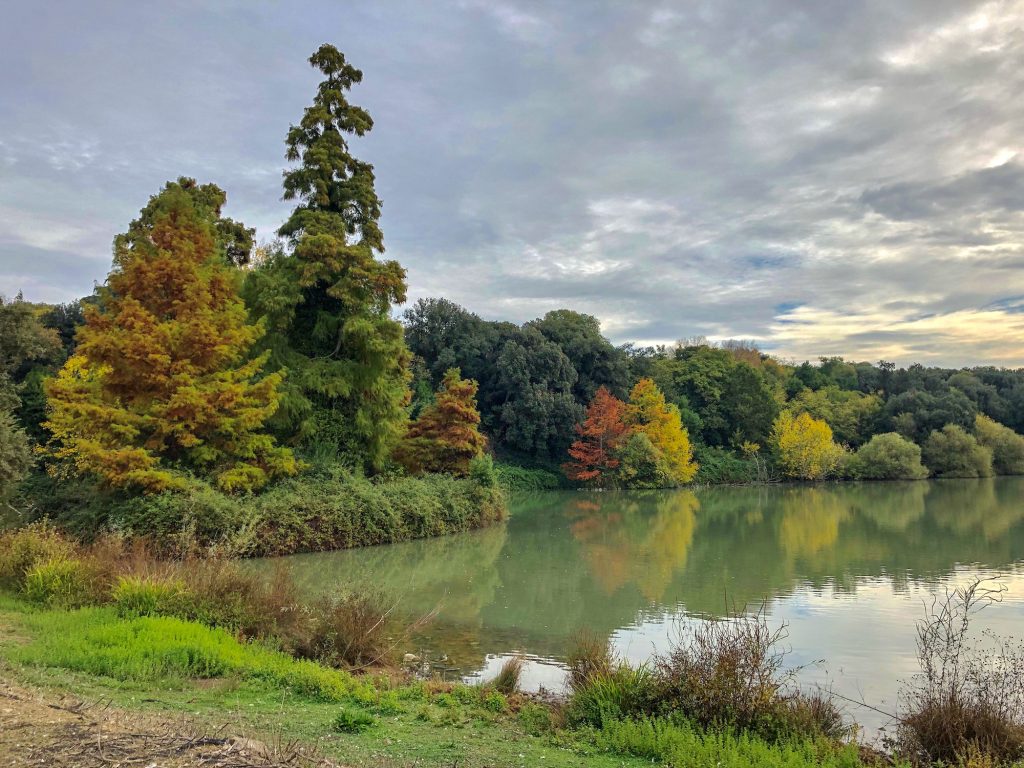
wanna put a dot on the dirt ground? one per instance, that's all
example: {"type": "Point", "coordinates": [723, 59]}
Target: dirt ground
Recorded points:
{"type": "Point", "coordinates": [43, 730]}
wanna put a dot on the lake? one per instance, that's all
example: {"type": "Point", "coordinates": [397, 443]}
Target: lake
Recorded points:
{"type": "Point", "coordinates": [848, 568]}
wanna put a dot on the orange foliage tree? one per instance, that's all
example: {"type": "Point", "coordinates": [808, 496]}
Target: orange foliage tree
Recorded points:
{"type": "Point", "coordinates": [600, 436]}
{"type": "Point", "coordinates": [446, 436]}
{"type": "Point", "coordinates": [160, 383]}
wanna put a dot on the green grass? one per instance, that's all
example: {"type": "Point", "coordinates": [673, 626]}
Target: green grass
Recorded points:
{"type": "Point", "coordinates": [160, 648]}
{"type": "Point", "coordinates": [165, 664]}
{"type": "Point", "coordinates": [678, 744]}
{"type": "Point", "coordinates": [177, 666]}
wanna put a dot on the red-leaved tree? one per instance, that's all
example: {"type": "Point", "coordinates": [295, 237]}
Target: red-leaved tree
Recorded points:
{"type": "Point", "coordinates": [603, 431]}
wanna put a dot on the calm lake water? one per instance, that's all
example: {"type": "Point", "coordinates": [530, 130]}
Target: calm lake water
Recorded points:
{"type": "Point", "coordinates": [847, 567]}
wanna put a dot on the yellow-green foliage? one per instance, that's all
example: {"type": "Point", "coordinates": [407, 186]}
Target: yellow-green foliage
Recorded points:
{"type": "Point", "coordinates": [850, 414]}
{"type": "Point", "coordinates": [805, 447]}
{"type": "Point", "coordinates": [61, 581]}
{"type": "Point", "coordinates": [953, 452]}
{"type": "Point", "coordinates": [887, 457]}
{"type": "Point", "coordinates": [1006, 445]}
{"type": "Point", "coordinates": [161, 377]}
{"type": "Point", "coordinates": [648, 413]}
{"type": "Point", "coordinates": [23, 549]}
{"type": "Point", "coordinates": [675, 742]}
{"type": "Point", "coordinates": [151, 649]}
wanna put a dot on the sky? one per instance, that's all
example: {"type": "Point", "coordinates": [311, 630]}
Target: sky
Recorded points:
{"type": "Point", "coordinates": [825, 178]}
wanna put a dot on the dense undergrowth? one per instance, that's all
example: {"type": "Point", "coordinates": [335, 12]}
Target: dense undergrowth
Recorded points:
{"type": "Point", "coordinates": [323, 510]}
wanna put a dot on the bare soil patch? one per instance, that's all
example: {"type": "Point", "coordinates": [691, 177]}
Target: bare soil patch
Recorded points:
{"type": "Point", "coordinates": [46, 730]}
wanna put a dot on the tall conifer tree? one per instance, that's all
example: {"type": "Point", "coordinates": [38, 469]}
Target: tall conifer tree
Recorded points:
{"type": "Point", "coordinates": [161, 381]}
{"type": "Point", "coordinates": [328, 301]}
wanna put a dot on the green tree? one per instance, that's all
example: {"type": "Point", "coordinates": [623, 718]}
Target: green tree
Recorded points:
{"type": "Point", "coordinates": [328, 301]}
{"type": "Point", "coordinates": [851, 414]}
{"type": "Point", "coordinates": [916, 413]}
{"type": "Point", "coordinates": [538, 412]}
{"type": "Point", "coordinates": [1006, 445]}
{"type": "Point", "coordinates": [641, 464]}
{"type": "Point", "coordinates": [596, 361]}
{"type": "Point", "coordinates": [953, 452]}
{"type": "Point", "coordinates": [161, 380]}
{"type": "Point", "coordinates": [887, 457]}
{"type": "Point", "coordinates": [15, 454]}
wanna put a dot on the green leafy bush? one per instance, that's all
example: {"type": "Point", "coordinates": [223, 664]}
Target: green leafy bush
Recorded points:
{"type": "Point", "coordinates": [886, 457]}
{"type": "Point", "coordinates": [516, 479]}
{"type": "Point", "coordinates": [1006, 445]}
{"type": "Point", "coordinates": [953, 452]}
{"type": "Point", "coordinates": [351, 720]}
{"type": "Point", "coordinates": [718, 466]}
{"type": "Point", "coordinates": [340, 510]}
{"type": "Point", "coordinates": [535, 719]}
{"type": "Point", "coordinates": [625, 692]}
{"type": "Point", "coordinates": [60, 582]}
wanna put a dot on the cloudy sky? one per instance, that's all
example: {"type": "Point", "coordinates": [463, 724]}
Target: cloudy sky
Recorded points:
{"type": "Point", "coordinates": [840, 177]}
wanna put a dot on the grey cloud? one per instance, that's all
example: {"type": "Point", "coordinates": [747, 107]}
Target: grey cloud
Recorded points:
{"type": "Point", "coordinates": [672, 168]}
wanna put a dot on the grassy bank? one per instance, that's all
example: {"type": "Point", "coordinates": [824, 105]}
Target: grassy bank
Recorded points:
{"type": "Point", "coordinates": [205, 636]}
{"type": "Point", "coordinates": [323, 510]}
{"type": "Point", "coordinates": [170, 665]}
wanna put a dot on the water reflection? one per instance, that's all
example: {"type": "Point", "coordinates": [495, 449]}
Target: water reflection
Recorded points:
{"type": "Point", "coordinates": [846, 565]}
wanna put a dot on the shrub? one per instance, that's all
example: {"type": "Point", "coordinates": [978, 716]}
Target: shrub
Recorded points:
{"type": "Point", "coordinates": [60, 582]}
{"type": "Point", "coordinates": [24, 548]}
{"type": "Point", "coordinates": [349, 631]}
{"type": "Point", "coordinates": [353, 721]}
{"type": "Point", "coordinates": [718, 466]}
{"type": "Point", "coordinates": [624, 692]}
{"type": "Point", "coordinates": [1006, 445]}
{"type": "Point", "coordinates": [889, 456]}
{"type": "Point", "coordinates": [507, 679]}
{"type": "Point", "coordinates": [953, 452]}
{"type": "Point", "coordinates": [516, 479]}
{"type": "Point", "coordinates": [535, 719]}
{"type": "Point", "coordinates": [199, 513]}
{"type": "Point", "coordinates": [590, 658]}
{"type": "Point", "coordinates": [493, 701]}
{"type": "Point", "coordinates": [729, 674]}
{"type": "Point", "coordinates": [338, 510]}
{"type": "Point", "coordinates": [804, 447]}
{"type": "Point", "coordinates": [968, 699]}
{"type": "Point", "coordinates": [482, 471]}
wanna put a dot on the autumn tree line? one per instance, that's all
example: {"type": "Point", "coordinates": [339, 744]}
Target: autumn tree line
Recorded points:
{"type": "Point", "coordinates": [554, 392]}
{"type": "Point", "coordinates": [207, 365]}
{"type": "Point", "coordinates": [204, 358]}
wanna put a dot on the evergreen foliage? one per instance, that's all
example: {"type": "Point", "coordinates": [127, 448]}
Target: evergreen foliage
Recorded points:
{"type": "Point", "coordinates": [328, 301]}
{"type": "Point", "coordinates": [159, 383]}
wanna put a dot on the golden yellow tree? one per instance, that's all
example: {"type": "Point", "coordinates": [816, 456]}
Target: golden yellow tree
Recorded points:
{"type": "Point", "coordinates": [804, 446]}
{"type": "Point", "coordinates": [160, 383]}
{"type": "Point", "coordinates": [649, 414]}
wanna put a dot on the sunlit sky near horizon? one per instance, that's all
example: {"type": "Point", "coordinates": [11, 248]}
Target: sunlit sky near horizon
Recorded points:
{"type": "Point", "coordinates": [825, 178]}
